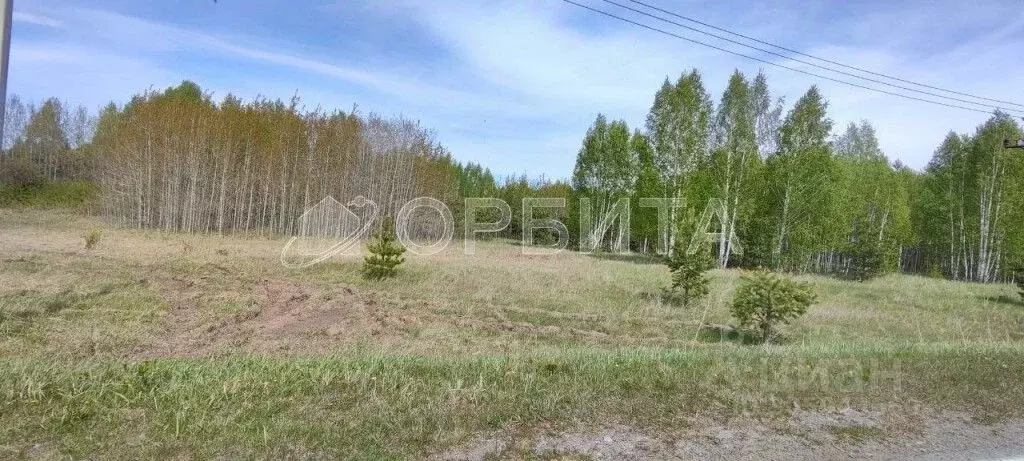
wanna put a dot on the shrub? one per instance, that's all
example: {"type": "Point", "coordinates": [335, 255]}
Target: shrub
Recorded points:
{"type": "Point", "coordinates": [385, 253]}
{"type": "Point", "coordinates": [21, 173]}
{"type": "Point", "coordinates": [867, 259]}
{"type": "Point", "coordinates": [689, 282]}
{"type": "Point", "coordinates": [92, 238]}
{"type": "Point", "coordinates": [765, 299]}
{"type": "Point", "coordinates": [55, 194]}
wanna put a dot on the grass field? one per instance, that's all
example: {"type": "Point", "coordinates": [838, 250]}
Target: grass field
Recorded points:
{"type": "Point", "coordinates": [168, 345]}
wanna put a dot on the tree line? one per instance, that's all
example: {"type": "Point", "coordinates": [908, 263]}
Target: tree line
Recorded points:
{"type": "Point", "coordinates": [790, 191]}
{"type": "Point", "coordinates": [798, 196]}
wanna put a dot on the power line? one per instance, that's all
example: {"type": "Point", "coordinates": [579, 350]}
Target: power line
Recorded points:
{"type": "Point", "coordinates": [859, 69]}
{"type": "Point", "coordinates": [848, 74]}
{"type": "Point", "coordinates": [764, 61]}
{"type": "Point", "coordinates": [719, 48]}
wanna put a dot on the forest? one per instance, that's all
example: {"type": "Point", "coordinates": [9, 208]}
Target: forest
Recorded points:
{"type": "Point", "coordinates": [795, 192]}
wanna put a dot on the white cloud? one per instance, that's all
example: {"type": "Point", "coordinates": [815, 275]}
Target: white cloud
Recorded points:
{"type": "Point", "coordinates": [147, 37]}
{"type": "Point", "coordinates": [36, 19]}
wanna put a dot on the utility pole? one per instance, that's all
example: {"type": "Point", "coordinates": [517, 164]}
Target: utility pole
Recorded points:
{"type": "Point", "coordinates": [6, 8]}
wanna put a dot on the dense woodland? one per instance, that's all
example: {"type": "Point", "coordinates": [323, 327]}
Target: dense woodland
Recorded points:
{"type": "Point", "coordinates": [802, 196]}
{"type": "Point", "coordinates": [795, 192]}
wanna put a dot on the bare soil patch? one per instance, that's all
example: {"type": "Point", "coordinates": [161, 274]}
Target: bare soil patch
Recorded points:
{"type": "Point", "coordinates": [847, 434]}
{"type": "Point", "coordinates": [274, 316]}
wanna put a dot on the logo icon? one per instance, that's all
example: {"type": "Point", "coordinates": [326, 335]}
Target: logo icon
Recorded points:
{"type": "Point", "coordinates": [327, 229]}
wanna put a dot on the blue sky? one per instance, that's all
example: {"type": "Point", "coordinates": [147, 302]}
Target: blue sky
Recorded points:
{"type": "Point", "coordinates": [512, 84]}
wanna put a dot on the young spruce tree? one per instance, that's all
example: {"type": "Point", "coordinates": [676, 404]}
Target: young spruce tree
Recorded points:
{"type": "Point", "coordinates": [689, 282]}
{"type": "Point", "coordinates": [385, 253]}
{"type": "Point", "coordinates": [867, 254]}
{"type": "Point", "coordinates": [765, 299]}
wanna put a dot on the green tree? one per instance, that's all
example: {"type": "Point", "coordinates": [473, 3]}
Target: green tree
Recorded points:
{"type": "Point", "coordinates": [688, 266]}
{"type": "Point", "coordinates": [678, 126]}
{"type": "Point", "coordinates": [20, 172]}
{"type": "Point", "coordinates": [940, 206]}
{"type": "Point", "coordinates": [513, 190]}
{"type": "Point", "coordinates": [765, 299]}
{"type": "Point", "coordinates": [476, 181]}
{"type": "Point", "coordinates": [756, 222]}
{"type": "Point", "coordinates": [802, 180]}
{"type": "Point", "coordinates": [733, 158]}
{"type": "Point", "coordinates": [757, 228]}
{"type": "Point", "coordinates": [688, 270]}
{"type": "Point", "coordinates": [873, 195]}
{"type": "Point", "coordinates": [645, 230]}
{"type": "Point", "coordinates": [902, 231]}
{"type": "Point", "coordinates": [866, 252]}
{"type": "Point", "coordinates": [767, 115]}
{"type": "Point", "coordinates": [605, 172]}
{"type": "Point", "coordinates": [43, 144]}
{"type": "Point", "coordinates": [385, 253]}
{"type": "Point", "coordinates": [973, 198]}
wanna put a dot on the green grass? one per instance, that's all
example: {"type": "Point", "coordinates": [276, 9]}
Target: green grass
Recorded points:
{"type": "Point", "coordinates": [367, 405]}
{"type": "Point", "coordinates": [65, 194]}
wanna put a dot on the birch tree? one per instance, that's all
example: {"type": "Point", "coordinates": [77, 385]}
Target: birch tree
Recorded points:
{"type": "Point", "coordinates": [801, 177]}
{"type": "Point", "coordinates": [43, 143]}
{"type": "Point", "coordinates": [176, 160]}
{"type": "Point", "coordinates": [678, 126]}
{"type": "Point", "coordinates": [734, 155]}
{"type": "Point", "coordinates": [605, 173]}
{"type": "Point", "coordinates": [648, 185]}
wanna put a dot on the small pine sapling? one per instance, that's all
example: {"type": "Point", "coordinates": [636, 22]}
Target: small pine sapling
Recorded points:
{"type": "Point", "coordinates": [689, 282]}
{"type": "Point", "coordinates": [765, 299]}
{"type": "Point", "coordinates": [385, 253]}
